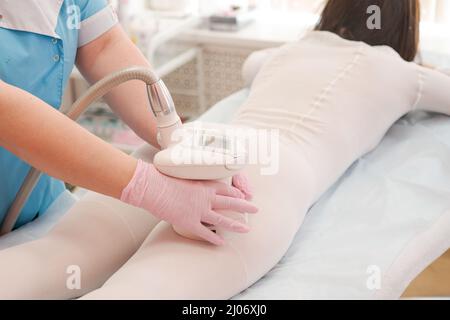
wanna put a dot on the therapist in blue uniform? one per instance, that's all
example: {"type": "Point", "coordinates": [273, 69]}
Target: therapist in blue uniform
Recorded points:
{"type": "Point", "coordinates": [40, 42]}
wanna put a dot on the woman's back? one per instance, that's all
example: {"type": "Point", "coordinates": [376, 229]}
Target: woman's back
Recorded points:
{"type": "Point", "coordinates": [335, 98]}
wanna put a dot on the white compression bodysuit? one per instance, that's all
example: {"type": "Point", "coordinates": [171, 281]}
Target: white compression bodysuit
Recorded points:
{"type": "Point", "coordinates": [333, 100]}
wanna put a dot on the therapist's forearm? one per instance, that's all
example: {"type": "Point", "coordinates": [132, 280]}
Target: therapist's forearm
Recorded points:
{"type": "Point", "coordinates": [56, 145]}
{"type": "Point", "coordinates": [111, 52]}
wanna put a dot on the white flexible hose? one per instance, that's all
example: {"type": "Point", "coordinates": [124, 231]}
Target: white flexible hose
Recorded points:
{"type": "Point", "coordinates": [96, 92]}
{"type": "Point", "coordinates": [101, 88]}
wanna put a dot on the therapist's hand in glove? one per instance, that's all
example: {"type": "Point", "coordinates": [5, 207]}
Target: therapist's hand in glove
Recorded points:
{"type": "Point", "coordinates": [241, 182]}
{"type": "Point", "coordinates": [185, 203]}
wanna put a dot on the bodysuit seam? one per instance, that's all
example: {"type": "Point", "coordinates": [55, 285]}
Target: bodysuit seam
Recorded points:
{"type": "Point", "coordinates": [244, 264]}
{"type": "Point", "coordinates": [421, 82]}
{"type": "Point", "coordinates": [342, 73]}
{"type": "Point", "coordinates": [318, 101]}
{"type": "Point", "coordinates": [133, 236]}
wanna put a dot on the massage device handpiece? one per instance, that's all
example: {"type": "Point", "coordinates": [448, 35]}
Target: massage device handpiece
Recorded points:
{"type": "Point", "coordinates": [164, 111]}
{"type": "Point", "coordinates": [202, 154]}
{"type": "Point", "coordinates": [168, 122]}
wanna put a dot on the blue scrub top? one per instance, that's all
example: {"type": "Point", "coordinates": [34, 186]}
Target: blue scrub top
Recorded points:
{"type": "Point", "coordinates": [41, 65]}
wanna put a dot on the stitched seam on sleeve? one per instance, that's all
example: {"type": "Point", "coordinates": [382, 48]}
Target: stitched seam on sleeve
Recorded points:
{"type": "Point", "coordinates": [96, 25]}
{"type": "Point", "coordinates": [421, 81]}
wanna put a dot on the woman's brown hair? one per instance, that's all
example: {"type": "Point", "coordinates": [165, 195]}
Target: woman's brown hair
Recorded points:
{"type": "Point", "coordinates": [400, 23]}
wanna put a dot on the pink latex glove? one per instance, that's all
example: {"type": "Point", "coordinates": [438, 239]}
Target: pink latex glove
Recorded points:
{"type": "Point", "coordinates": [185, 203]}
{"type": "Point", "coordinates": [241, 182]}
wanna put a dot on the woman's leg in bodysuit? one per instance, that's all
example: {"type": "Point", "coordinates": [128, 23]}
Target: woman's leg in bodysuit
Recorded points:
{"type": "Point", "coordinates": [168, 266]}
{"type": "Point", "coordinates": [96, 237]}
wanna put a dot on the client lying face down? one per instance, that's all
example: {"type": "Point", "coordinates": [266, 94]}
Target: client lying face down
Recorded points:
{"type": "Point", "coordinates": [329, 112]}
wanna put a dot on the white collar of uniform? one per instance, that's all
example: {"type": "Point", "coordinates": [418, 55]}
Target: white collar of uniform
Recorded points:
{"type": "Point", "coordinates": [37, 16]}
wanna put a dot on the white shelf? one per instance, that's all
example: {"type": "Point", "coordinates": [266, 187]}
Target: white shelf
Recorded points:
{"type": "Point", "coordinates": [169, 29]}
{"type": "Point", "coordinates": [268, 30]}
{"type": "Point", "coordinates": [271, 29]}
